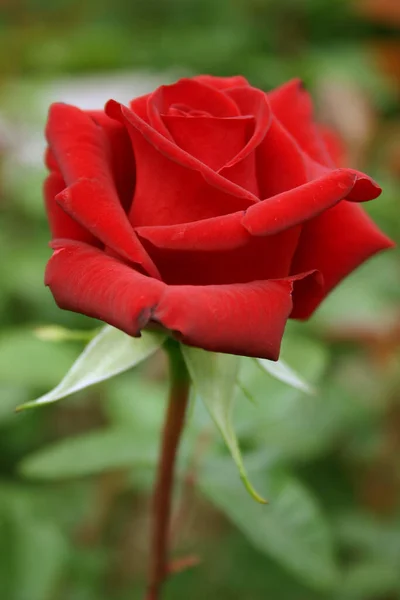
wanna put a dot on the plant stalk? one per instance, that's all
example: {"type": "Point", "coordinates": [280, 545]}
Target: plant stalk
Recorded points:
{"type": "Point", "coordinates": [162, 498]}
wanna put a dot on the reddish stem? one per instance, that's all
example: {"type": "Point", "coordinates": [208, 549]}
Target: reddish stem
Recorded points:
{"type": "Point", "coordinates": [173, 426]}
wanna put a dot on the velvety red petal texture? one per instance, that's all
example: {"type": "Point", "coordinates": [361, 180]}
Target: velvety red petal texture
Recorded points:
{"type": "Point", "coordinates": [219, 233]}
{"type": "Point", "coordinates": [281, 164]}
{"type": "Point", "coordinates": [242, 168]}
{"type": "Point", "coordinates": [293, 106]}
{"type": "Point", "coordinates": [334, 145]}
{"type": "Point", "coordinates": [179, 193]}
{"type": "Point", "coordinates": [246, 319]}
{"type": "Point", "coordinates": [106, 220]}
{"type": "Point", "coordinates": [211, 140]}
{"type": "Point", "coordinates": [241, 319]}
{"type": "Point", "coordinates": [61, 224]}
{"type": "Point", "coordinates": [335, 243]}
{"type": "Point", "coordinates": [121, 157]}
{"type": "Point", "coordinates": [152, 145]}
{"type": "Point", "coordinates": [223, 83]}
{"type": "Point", "coordinates": [78, 145]}
{"type": "Point", "coordinates": [86, 280]}
{"type": "Point", "coordinates": [300, 204]}
{"type": "Point", "coordinates": [267, 257]}
{"type": "Point", "coordinates": [80, 148]}
{"type": "Point", "coordinates": [365, 188]}
{"type": "Point", "coordinates": [190, 93]}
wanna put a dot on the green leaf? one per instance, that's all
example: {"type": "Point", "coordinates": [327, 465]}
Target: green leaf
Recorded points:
{"type": "Point", "coordinates": [56, 333]}
{"type": "Point", "coordinates": [32, 362]}
{"type": "Point", "coordinates": [214, 376]}
{"type": "Point", "coordinates": [89, 454]}
{"type": "Point", "coordinates": [368, 580]}
{"type": "Point", "coordinates": [281, 371]}
{"type": "Point", "coordinates": [32, 548]}
{"type": "Point", "coordinates": [289, 423]}
{"type": "Point", "coordinates": [291, 529]}
{"type": "Point", "coordinates": [109, 353]}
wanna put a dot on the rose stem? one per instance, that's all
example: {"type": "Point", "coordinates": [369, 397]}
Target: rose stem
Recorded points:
{"type": "Point", "coordinates": [173, 426]}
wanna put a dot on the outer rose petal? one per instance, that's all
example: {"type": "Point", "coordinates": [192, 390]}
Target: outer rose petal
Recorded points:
{"type": "Point", "coordinates": [61, 224]}
{"type": "Point", "coordinates": [300, 204]}
{"type": "Point", "coordinates": [334, 145]}
{"type": "Point", "coordinates": [223, 83]}
{"type": "Point", "coordinates": [89, 204]}
{"type": "Point", "coordinates": [365, 187]}
{"type": "Point", "coordinates": [260, 258]}
{"type": "Point", "coordinates": [245, 319]}
{"type": "Point", "coordinates": [293, 106]}
{"type": "Point", "coordinates": [335, 243]}
{"type": "Point", "coordinates": [121, 156]}
{"type": "Point", "coordinates": [88, 281]}
{"type": "Point", "coordinates": [218, 233]}
{"type": "Point", "coordinates": [79, 145]}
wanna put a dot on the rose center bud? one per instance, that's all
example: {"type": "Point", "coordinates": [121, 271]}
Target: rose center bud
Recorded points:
{"type": "Point", "coordinates": [182, 110]}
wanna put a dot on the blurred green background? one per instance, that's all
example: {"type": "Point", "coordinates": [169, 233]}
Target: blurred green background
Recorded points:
{"type": "Point", "coordinates": [75, 477]}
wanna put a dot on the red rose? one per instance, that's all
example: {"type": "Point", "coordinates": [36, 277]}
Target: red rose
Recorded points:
{"type": "Point", "coordinates": [208, 206]}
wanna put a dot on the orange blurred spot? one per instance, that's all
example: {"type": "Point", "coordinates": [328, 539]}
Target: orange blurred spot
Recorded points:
{"type": "Point", "coordinates": [383, 11]}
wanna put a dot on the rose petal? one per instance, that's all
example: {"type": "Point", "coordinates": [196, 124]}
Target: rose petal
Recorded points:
{"type": "Point", "coordinates": [222, 83]}
{"type": "Point", "coordinates": [61, 224]}
{"type": "Point", "coordinates": [90, 205]}
{"type": "Point", "coordinates": [334, 144]}
{"type": "Point", "coordinates": [267, 257]}
{"type": "Point", "coordinates": [300, 204]}
{"type": "Point", "coordinates": [192, 93]}
{"type": "Point", "coordinates": [242, 168]}
{"type": "Point", "coordinates": [246, 319]}
{"type": "Point", "coordinates": [211, 140]}
{"type": "Point", "coordinates": [218, 233]}
{"type": "Point", "coordinates": [88, 281]}
{"type": "Point", "coordinates": [365, 188]}
{"type": "Point", "coordinates": [293, 106]}
{"type": "Point", "coordinates": [336, 242]}
{"type": "Point", "coordinates": [121, 156]}
{"type": "Point", "coordinates": [252, 102]}
{"type": "Point", "coordinates": [79, 145]}
{"type": "Point", "coordinates": [185, 189]}
{"type": "Point", "coordinates": [281, 164]}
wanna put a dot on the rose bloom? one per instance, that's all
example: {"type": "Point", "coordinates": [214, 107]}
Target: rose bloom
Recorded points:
{"type": "Point", "coordinates": [208, 207]}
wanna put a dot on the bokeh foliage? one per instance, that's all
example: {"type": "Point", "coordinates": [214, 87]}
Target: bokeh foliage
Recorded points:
{"type": "Point", "coordinates": [75, 477]}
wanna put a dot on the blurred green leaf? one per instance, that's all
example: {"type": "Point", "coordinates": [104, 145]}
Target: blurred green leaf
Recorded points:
{"type": "Point", "coordinates": [32, 548]}
{"type": "Point", "coordinates": [281, 371]}
{"type": "Point", "coordinates": [371, 537]}
{"type": "Point", "coordinates": [287, 422]}
{"type": "Point", "coordinates": [30, 361]}
{"type": "Point", "coordinates": [56, 333]}
{"type": "Point", "coordinates": [10, 397]}
{"type": "Point", "coordinates": [369, 580]}
{"type": "Point", "coordinates": [91, 453]}
{"type": "Point", "coordinates": [291, 528]}
{"type": "Point", "coordinates": [136, 403]}
{"type": "Point", "coordinates": [109, 353]}
{"type": "Point", "coordinates": [214, 376]}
